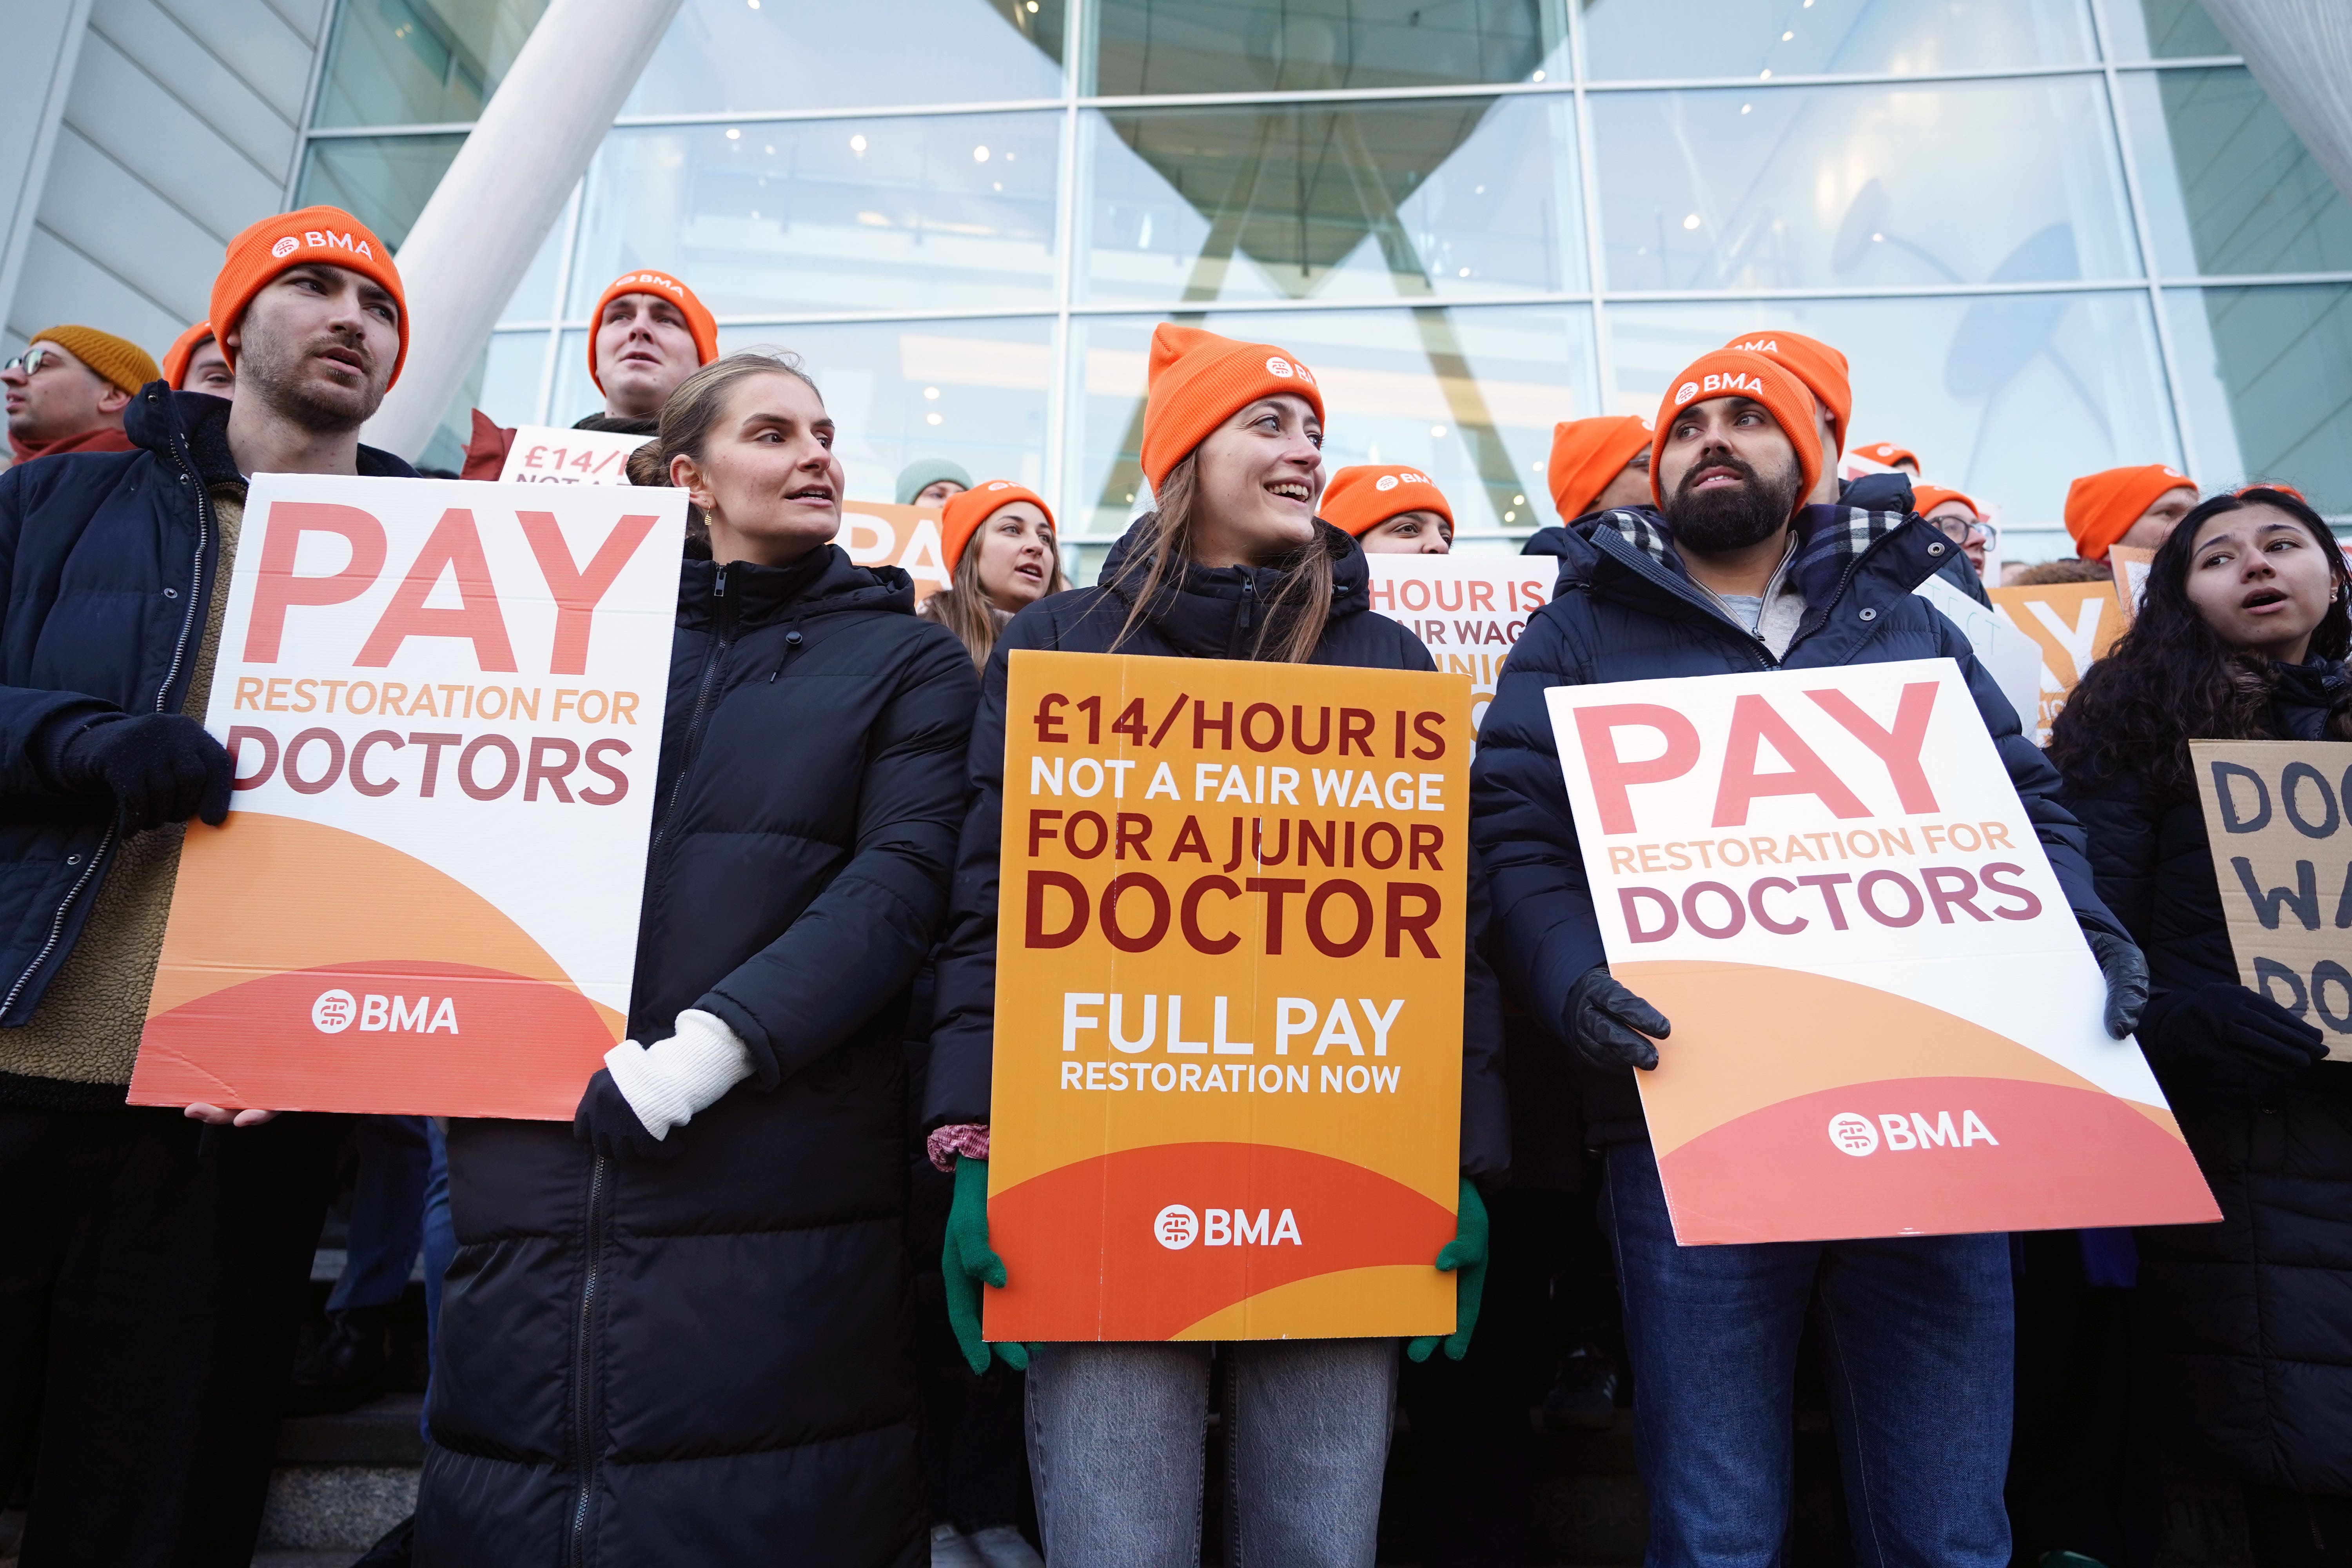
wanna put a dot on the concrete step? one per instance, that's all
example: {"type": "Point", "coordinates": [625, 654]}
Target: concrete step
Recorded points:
{"type": "Point", "coordinates": [342, 1481]}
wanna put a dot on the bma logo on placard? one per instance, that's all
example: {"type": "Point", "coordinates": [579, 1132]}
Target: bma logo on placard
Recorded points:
{"type": "Point", "coordinates": [1855, 1134]}
{"type": "Point", "coordinates": [1176, 1227]}
{"type": "Point", "coordinates": [336, 1011]}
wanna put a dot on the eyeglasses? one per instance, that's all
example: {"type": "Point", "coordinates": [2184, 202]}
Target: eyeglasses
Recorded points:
{"type": "Point", "coordinates": [31, 360]}
{"type": "Point", "coordinates": [1960, 529]}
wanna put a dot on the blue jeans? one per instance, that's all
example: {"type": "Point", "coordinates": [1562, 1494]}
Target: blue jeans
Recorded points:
{"type": "Point", "coordinates": [387, 1213]}
{"type": "Point", "coordinates": [440, 1247]}
{"type": "Point", "coordinates": [1917, 1333]}
{"type": "Point", "coordinates": [1117, 1441]}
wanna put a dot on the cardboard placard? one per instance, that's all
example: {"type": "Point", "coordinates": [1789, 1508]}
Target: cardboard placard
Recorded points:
{"type": "Point", "coordinates": [1229, 974]}
{"type": "Point", "coordinates": [444, 703]}
{"type": "Point", "coordinates": [1885, 1019]}
{"type": "Point", "coordinates": [907, 537]}
{"type": "Point", "coordinates": [2073, 625]}
{"type": "Point", "coordinates": [543, 454]}
{"type": "Point", "coordinates": [1467, 610]}
{"type": "Point", "coordinates": [2130, 563]}
{"type": "Point", "coordinates": [2275, 812]}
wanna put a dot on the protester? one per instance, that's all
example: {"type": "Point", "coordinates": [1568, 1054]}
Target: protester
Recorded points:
{"type": "Point", "coordinates": [1389, 510]}
{"type": "Point", "coordinates": [2241, 636]}
{"type": "Point", "coordinates": [67, 392]}
{"type": "Point", "coordinates": [153, 1271]}
{"type": "Point", "coordinates": [1893, 455]}
{"type": "Point", "coordinates": [1957, 518]}
{"type": "Point", "coordinates": [930, 481]}
{"type": "Point", "coordinates": [673, 1330]}
{"type": "Point", "coordinates": [650, 333]}
{"type": "Point", "coordinates": [1823, 373]}
{"type": "Point", "coordinates": [1233, 565]}
{"type": "Point", "coordinates": [194, 364]}
{"type": "Point", "coordinates": [1734, 572]}
{"type": "Point", "coordinates": [997, 544]}
{"type": "Point", "coordinates": [2139, 508]}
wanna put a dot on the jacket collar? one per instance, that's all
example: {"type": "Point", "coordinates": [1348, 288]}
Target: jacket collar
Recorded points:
{"type": "Point", "coordinates": [823, 582]}
{"type": "Point", "coordinates": [159, 419]}
{"type": "Point", "coordinates": [1219, 612]}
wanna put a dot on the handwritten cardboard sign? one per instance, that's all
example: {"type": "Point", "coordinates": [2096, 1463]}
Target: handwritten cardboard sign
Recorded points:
{"type": "Point", "coordinates": [2275, 812]}
{"type": "Point", "coordinates": [1885, 1019]}
{"type": "Point", "coordinates": [543, 455]}
{"type": "Point", "coordinates": [1467, 610]}
{"type": "Point", "coordinates": [1228, 1065]}
{"type": "Point", "coordinates": [2073, 625]}
{"type": "Point", "coordinates": [444, 703]}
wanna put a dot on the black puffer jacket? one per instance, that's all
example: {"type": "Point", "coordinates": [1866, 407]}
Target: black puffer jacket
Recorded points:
{"type": "Point", "coordinates": [702, 1359]}
{"type": "Point", "coordinates": [1204, 614]}
{"type": "Point", "coordinates": [2250, 1321]}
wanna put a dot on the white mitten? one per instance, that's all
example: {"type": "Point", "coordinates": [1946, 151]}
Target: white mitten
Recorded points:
{"type": "Point", "coordinates": [666, 1083]}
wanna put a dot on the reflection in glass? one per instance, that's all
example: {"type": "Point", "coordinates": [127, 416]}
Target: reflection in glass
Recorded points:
{"type": "Point", "coordinates": [2267, 375]}
{"type": "Point", "coordinates": [763, 219]}
{"type": "Point", "coordinates": [1455, 197]}
{"type": "Point", "coordinates": [419, 62]}
{"type": "Point", "coordinates": [1469, 396]}
{"type": "Point", "coordinates": [2228, 185]}
{"type": "Point", "coordinates": [1288, 46]}
{"type": "Point", "coordinates": [973, 392]}
{"type": "Point", "coordinates": [2013, 182]}
{"type": "Point", "coordinates": [383, 182]}
{"type": "Point", "coordinates": [510, 378]}
{"type": "Point", "coordinates": [1644, 40]}
{"type": "Point", "coordinates": [2164, 30]}
{"type": "Point", "coordinates": [723, 55]}
{"type": "Point", "coordinates": [2008, 397]}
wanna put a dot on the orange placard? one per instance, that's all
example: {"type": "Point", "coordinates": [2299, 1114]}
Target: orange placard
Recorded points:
{"type": "Point", "coordinates": [2073, 623]}
{"type": "Point", "coordinates": [2130, 565]}
{"type": "Point", "coordinates": [1228, 999]}
{"type": "Point", "coordinates": [907, 536]}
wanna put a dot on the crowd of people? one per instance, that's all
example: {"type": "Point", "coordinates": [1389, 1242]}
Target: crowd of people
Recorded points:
{"type": "Point", "coordinates": [732, 1314]}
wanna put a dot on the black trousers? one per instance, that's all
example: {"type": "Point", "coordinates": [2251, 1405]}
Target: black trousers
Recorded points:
{"type": "Point", "coordinates": [151, 1285]}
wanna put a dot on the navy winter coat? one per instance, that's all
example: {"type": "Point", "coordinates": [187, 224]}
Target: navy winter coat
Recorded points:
{"type": "Point", "coordinates": [108, 560]}
{"type": "Point", "coordinates": [702, 1359]}
{"type": "Point", "coordinates": [1202, 614]}
{"type": "Point", "coordinates": [2249, 1321]}
{"type": "Point", "coordinates": [1627, 610]}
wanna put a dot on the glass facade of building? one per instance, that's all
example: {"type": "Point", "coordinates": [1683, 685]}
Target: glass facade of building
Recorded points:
{"type": "Point", "coordinates": [2053, 236]}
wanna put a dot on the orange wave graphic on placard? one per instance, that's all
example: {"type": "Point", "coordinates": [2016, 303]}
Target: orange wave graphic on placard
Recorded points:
{"type": "Point", "coordinates": [1084, 1260]}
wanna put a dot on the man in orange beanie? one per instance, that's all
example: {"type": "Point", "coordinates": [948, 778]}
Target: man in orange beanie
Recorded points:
{"type": "Point", "coordinates": [1599, 463]}
{"type": "Point", "coordinates": [1743, 577]}
{"type": "Point", "coordinates": [67, 392]}
{"type": "Point", "coordinates": [2136, 507]}
{"type": "Point", "coordinates": [194, 364]}
{"type": "Point", "coordinates": [1893, 455]}
{"type": "Point", "coordinates": [155, 1401]}
{"type": "Point", "coordinates": [650, 333]}
{"type": "Point", "coordinates": [1823, 371]}
{"type": "Point", "coordinates": [1389, 510]}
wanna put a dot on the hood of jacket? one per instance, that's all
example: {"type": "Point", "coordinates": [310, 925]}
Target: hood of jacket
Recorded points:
{"type": "Point", "coordinates": [1218, 612]}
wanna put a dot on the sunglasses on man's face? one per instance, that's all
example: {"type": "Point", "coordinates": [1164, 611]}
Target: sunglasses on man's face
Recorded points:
{"type": "Point", "coordinates": [32, 361]}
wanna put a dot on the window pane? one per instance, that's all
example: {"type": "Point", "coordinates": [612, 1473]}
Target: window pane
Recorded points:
{"type": "Point", "coordinates": [727, 54]}
{"type": "Point", "coordinates": [419, 62]}
{"type": "Point", "coordinates": [2228, 185]}
{"type": "Point", "coordinates": [763, 220]}
{"type": "Point", "coordinates": [1460, 198]}
{"type": "Point", "coordinates": [1251, 45]}
{"type": "Point", "coordinates": [2008, 397]}
{"type": "Point", "coordinates": [1862, 186]}
{"type": "Point", "coordinates": [2267, 375]}
{"type": "Point", "coordinates": [382, 181]}
{"type": "Point", "coordinates": [509, 392]}
{"type": "Point", "coordinates": [2164, 30]}
{"type": "Point", "coordinates": [991, 378]}
{"type": "Point", "coordinates": [1469, 396]}
{"type": "Point", "coordinates": [1646, 40]}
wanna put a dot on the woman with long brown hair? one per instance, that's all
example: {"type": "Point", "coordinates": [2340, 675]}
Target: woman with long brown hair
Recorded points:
{"type": "Point", "coordinates": [997, 540]}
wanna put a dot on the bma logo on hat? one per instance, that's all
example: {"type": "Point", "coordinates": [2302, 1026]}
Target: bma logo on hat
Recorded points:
{"type": "Point", "coordinates": [1684, 392]}
{"type": "Point", "coordinates": [1385, 482]}
{"type": "Point", "coordinates": [1278, 366]}
{"type": "Point", "coordinates": [1759, 346]}
{"type": "Point", "coordinates": [998, 485]}
{"type": "Point", "coordinates": [287, 245]}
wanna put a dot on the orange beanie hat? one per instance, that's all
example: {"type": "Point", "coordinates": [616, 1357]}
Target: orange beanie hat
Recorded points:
{"type": "Point", "coordinates": [1732, 373]}
{"type": "Point", "coordinates": [1926, 498]}
{"type": "Point", "coordinates": [184, 348]}
{"type": "Point", "coordinates": [1198, 379]}
{"type": "Point", "coordinates": [1586, 454]}
{"type": "Point", "coordinates": [1889, 453]}
{"type": "Point", "coordinates": [699, 323]}
{"type": "Point", "coordinates": [1361, 498]}
{"type": "Point", "coordinates": [2102, 507]}
{"type": "Point", "coordinates": [967, 510]}
{"type": "Point", "coordinates": [1821, 367]}
{"type": "Point", "coordinates": [323, 236]}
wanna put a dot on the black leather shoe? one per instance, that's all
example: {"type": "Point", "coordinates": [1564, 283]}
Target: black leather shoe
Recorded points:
{"type": "Point", "coordinates": [346, 1368]}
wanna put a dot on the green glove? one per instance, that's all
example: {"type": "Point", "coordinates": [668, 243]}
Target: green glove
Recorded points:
{"type": "Point", "coordinates": [968, 1264]}
{"type": "Point", "coordinates": [1466, 1258]}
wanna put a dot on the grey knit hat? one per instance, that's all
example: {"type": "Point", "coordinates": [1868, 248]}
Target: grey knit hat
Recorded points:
{"type": "Point", "coordinates": [924, 472]}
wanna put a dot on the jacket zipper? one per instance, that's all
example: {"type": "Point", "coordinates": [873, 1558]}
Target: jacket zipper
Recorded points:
{"type": "Point", "coordinates": [1651, 570]}
{"type": "Point", "coordinates": [583, 1364]}
{"type": "Point", "coordinates": [726, 639]}
{"type": "Point", "coordinates": [179, 657]}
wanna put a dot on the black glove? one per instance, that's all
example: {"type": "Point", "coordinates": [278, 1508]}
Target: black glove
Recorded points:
{"type": "Point", "coordinates": [159, 767]}
{"type": "Point", "coordinates": [2127, 973]}
{"type": "Point", "coordinates": [2223, 1037]}
{"type": "Point", "coordinates": [1606, 1023]}
{"type": "Point", "coordinates": [608, 1122]}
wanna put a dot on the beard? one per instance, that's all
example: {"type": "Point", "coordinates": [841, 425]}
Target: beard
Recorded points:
{"type": "Point", "coordinates": [279, 372]}
{"type": "Point", "coordinates": [1714, 521]}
